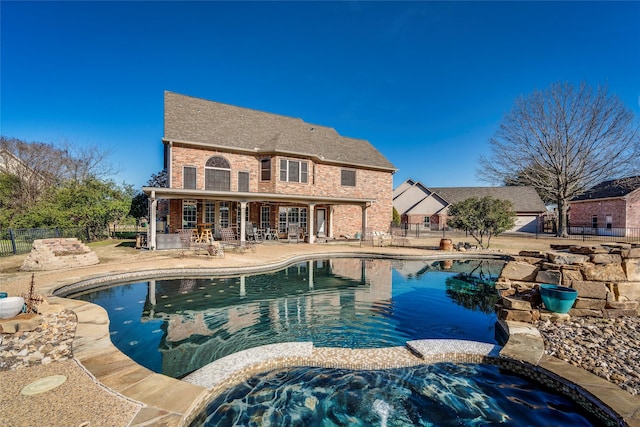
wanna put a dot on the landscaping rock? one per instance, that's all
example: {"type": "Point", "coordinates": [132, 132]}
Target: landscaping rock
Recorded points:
{"type": "Point", "coordinates": [586, 250]}
{"type": "Point", "coordinates": [587, 289]}
{"type": "Point", "coordinates": [23, 322]}
{"type": "Point", "coordinates": [571, 275]}
{"type": "Point", "coordinates": [549, 276]}
{"type": "Point", "coordinates": [632, 269]}
{"type": "Point", "coordinates": [623, 305]}
{"type": "Point", "coordinates": [606, 259]}
{"type": "Point", "coordinates": [612, 313]}
{"type": "Point", "coordinates": [604, 272]}
{"type": "Point", "coordinates": [567, 258]}
{"type": "Point", "coordinates": [519, 271]}
{"type": "Point", "coordinates": [627, 291]}
{"type": "Point", "coordinates": [516, 303]}
{"type": "Point", "coordinates": [590, 303]}
{"type": "Point", "coordinates": [585, 312]}
{"type": "Point", "coordinates": [515, 315]}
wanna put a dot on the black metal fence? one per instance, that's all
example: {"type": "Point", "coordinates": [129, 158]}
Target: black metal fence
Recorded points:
{"type": "Point", "coordinates": [15, 241]}
{"type": "Point", "coordinates": [605, 234]}
{"type": "Point", "coordinates": [417, 230]}
{"type": "Point", "coordinates": [584, 233]}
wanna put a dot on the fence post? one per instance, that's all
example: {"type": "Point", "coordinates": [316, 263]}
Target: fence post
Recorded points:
{"type": "Point", "coordinates": [12, 236]}
{"type": "Point", "coordinates": [57, 232]}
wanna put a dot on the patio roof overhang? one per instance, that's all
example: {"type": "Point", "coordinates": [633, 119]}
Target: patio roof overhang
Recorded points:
{"type": "Point", "coordinates": [155, 193]}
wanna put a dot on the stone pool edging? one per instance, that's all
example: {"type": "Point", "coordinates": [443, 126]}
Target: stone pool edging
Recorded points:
{"type": "Point", "coordinates": [523, 354]}
{"type": "Point", "coordinates": [173, 402]}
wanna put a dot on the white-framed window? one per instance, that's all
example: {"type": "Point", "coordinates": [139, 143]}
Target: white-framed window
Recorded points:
{"type": "Point", "coordinates": [348, 177]}
{"type": "Point", "coordinates": [609, 221]}
{"type": "Point", "coordinates": [294, 171]}
{"type": "Point", "coordinates": [209, 212]}
{"type": "Point", "coordinates": [426, 221]}
{"type": "Point", "coordinates": [265, 217]}
{"type": "Point", "coordinates": [189, 213]}
{"type": "Point", "coordinates": [291, 215]}
{"type": "Point", "coordinates": [594, 221]}
{"type": "Point", "coordinates": [224, 214]}
{"type": "Point", "coordinates": [217, 174]}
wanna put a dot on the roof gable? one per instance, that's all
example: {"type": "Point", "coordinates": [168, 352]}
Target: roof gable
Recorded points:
{"type": "Point", "coordinates": [610, 189]}
{"type": "Point", "coordinates": [524, 199]}
{"type": "Point", "coordinates": [195, 120]}
{"type": "Point", "coordinates": [416, 196]}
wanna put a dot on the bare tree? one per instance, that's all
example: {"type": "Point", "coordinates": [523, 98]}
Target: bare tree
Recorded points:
{"type": "Point", "coordinates": [562, 141]}
{"type": "Point", "coordinates": [38, 167]}
{"type": "Point", "coordinates": [83, 162]}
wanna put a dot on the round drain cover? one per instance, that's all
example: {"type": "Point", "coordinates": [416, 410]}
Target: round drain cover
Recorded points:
{"type": "Point", "coordinates": [43, 384]}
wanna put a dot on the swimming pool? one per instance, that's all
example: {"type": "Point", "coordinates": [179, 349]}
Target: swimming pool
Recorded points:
{"type": "Point", "coordinates": [176, 326]}
{"type": "Point", "coordinates": [441, 394]}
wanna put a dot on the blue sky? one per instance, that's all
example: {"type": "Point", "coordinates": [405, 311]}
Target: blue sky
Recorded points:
{"type": "Point", "coordinates": [427, 83]}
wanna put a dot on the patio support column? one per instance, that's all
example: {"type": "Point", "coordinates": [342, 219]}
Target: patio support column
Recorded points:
{"type": "Point", "coordinates": [364, 220]}
{"type": "Point", "coordinates": [311, 222]}
{"type": "Point", "coordinates": [243, 224]}
{"type": "Point", "coordinates": [151, 292]}
{"type": "Point", "coordinates": [153, 207]}
{"type": "Point", "coordinates": [329, 225]}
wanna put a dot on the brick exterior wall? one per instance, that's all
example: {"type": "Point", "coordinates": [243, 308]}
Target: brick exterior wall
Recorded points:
{"type": "Point", "coordinates": [581, 213]}
{"type": "Point", "coordinates": [324, 180]}
{"type": "Point", "coordinates": [633, 209]}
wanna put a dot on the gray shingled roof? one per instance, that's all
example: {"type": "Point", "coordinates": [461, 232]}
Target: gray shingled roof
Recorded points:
{"type": "Point", "coordinates": [608, 189]}
{"type": "Point", "coordinates": [188, 119]}
{"type": "Point", "coordinates": [524, 199]}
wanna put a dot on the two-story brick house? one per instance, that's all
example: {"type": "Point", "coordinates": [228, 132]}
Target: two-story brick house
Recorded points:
{"type": "Point", "coordinates": [230, 166]}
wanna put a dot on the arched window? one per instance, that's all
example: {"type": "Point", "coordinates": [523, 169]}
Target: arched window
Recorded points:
{"type": "Point", "coordinates": [217, 174]}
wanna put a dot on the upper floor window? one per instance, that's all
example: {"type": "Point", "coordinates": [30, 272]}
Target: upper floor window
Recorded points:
{"type": "Point", "coordinates": [189, 177]}
{"type": "Point", "coordinates": [243, 181]}
{"type": "Point", "coordinates": [265, 169]}
{"type": "Point", "coordinates": [348, 177]}
{"type": "Point", "coordinates": [294, 171]}
{"type": "Point", "coordinates": [217, 174]}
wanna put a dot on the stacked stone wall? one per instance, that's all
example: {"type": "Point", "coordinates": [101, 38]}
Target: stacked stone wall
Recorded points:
{"type": "Point", "coordinates": [606, 278]}
{"type": "Point", "coordinates": [58, 254]}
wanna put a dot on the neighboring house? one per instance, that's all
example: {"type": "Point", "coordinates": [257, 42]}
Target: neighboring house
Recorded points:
{"type": "Point", "coordinates": [428, 206]}
{"type": "Point", "coordinates": [12, 165]}
{"type": "Point", "coordinates": [609, 208]}
{"type": "Point", "coordinates": [229, 166]}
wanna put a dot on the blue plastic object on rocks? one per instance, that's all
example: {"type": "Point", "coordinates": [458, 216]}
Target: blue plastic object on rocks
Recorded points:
{"type": "Point", "coordinates": [558, 299]}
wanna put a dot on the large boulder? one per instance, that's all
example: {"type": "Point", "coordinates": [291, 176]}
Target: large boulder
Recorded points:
{"type": "Point", "coordinates": [589, 289]}
{"type": "Point", "coordinates": [604, 272]}
{"type": "Point", "coordinates": [567, 258]}
{"type": "Point", "coordinates": [631, 267]}
{"type": "Point", "coordinates": [524, 271]}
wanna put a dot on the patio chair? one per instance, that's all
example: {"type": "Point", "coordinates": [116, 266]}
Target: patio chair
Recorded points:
{"type": "Point", "coordinates": [230, 240]}
{"type": "Point", "coordinates": [253, 234]}
{"type": "Point", "coordinates": [189, 240]}
{"type": "Point", "coordinates": [293, 233]}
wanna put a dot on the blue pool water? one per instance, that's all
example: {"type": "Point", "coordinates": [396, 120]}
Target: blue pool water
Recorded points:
{"type": "Point", "coordinates": [176, 326]}
{"type": "Point", "coordinates": [442, 394]}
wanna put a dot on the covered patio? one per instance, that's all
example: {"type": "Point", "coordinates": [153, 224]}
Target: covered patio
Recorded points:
{"type": "Point", "coordinates": [220, 209]}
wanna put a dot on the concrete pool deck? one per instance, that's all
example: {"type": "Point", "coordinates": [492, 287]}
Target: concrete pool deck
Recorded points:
{"type": "Point", "coordinates": [124, 393]}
